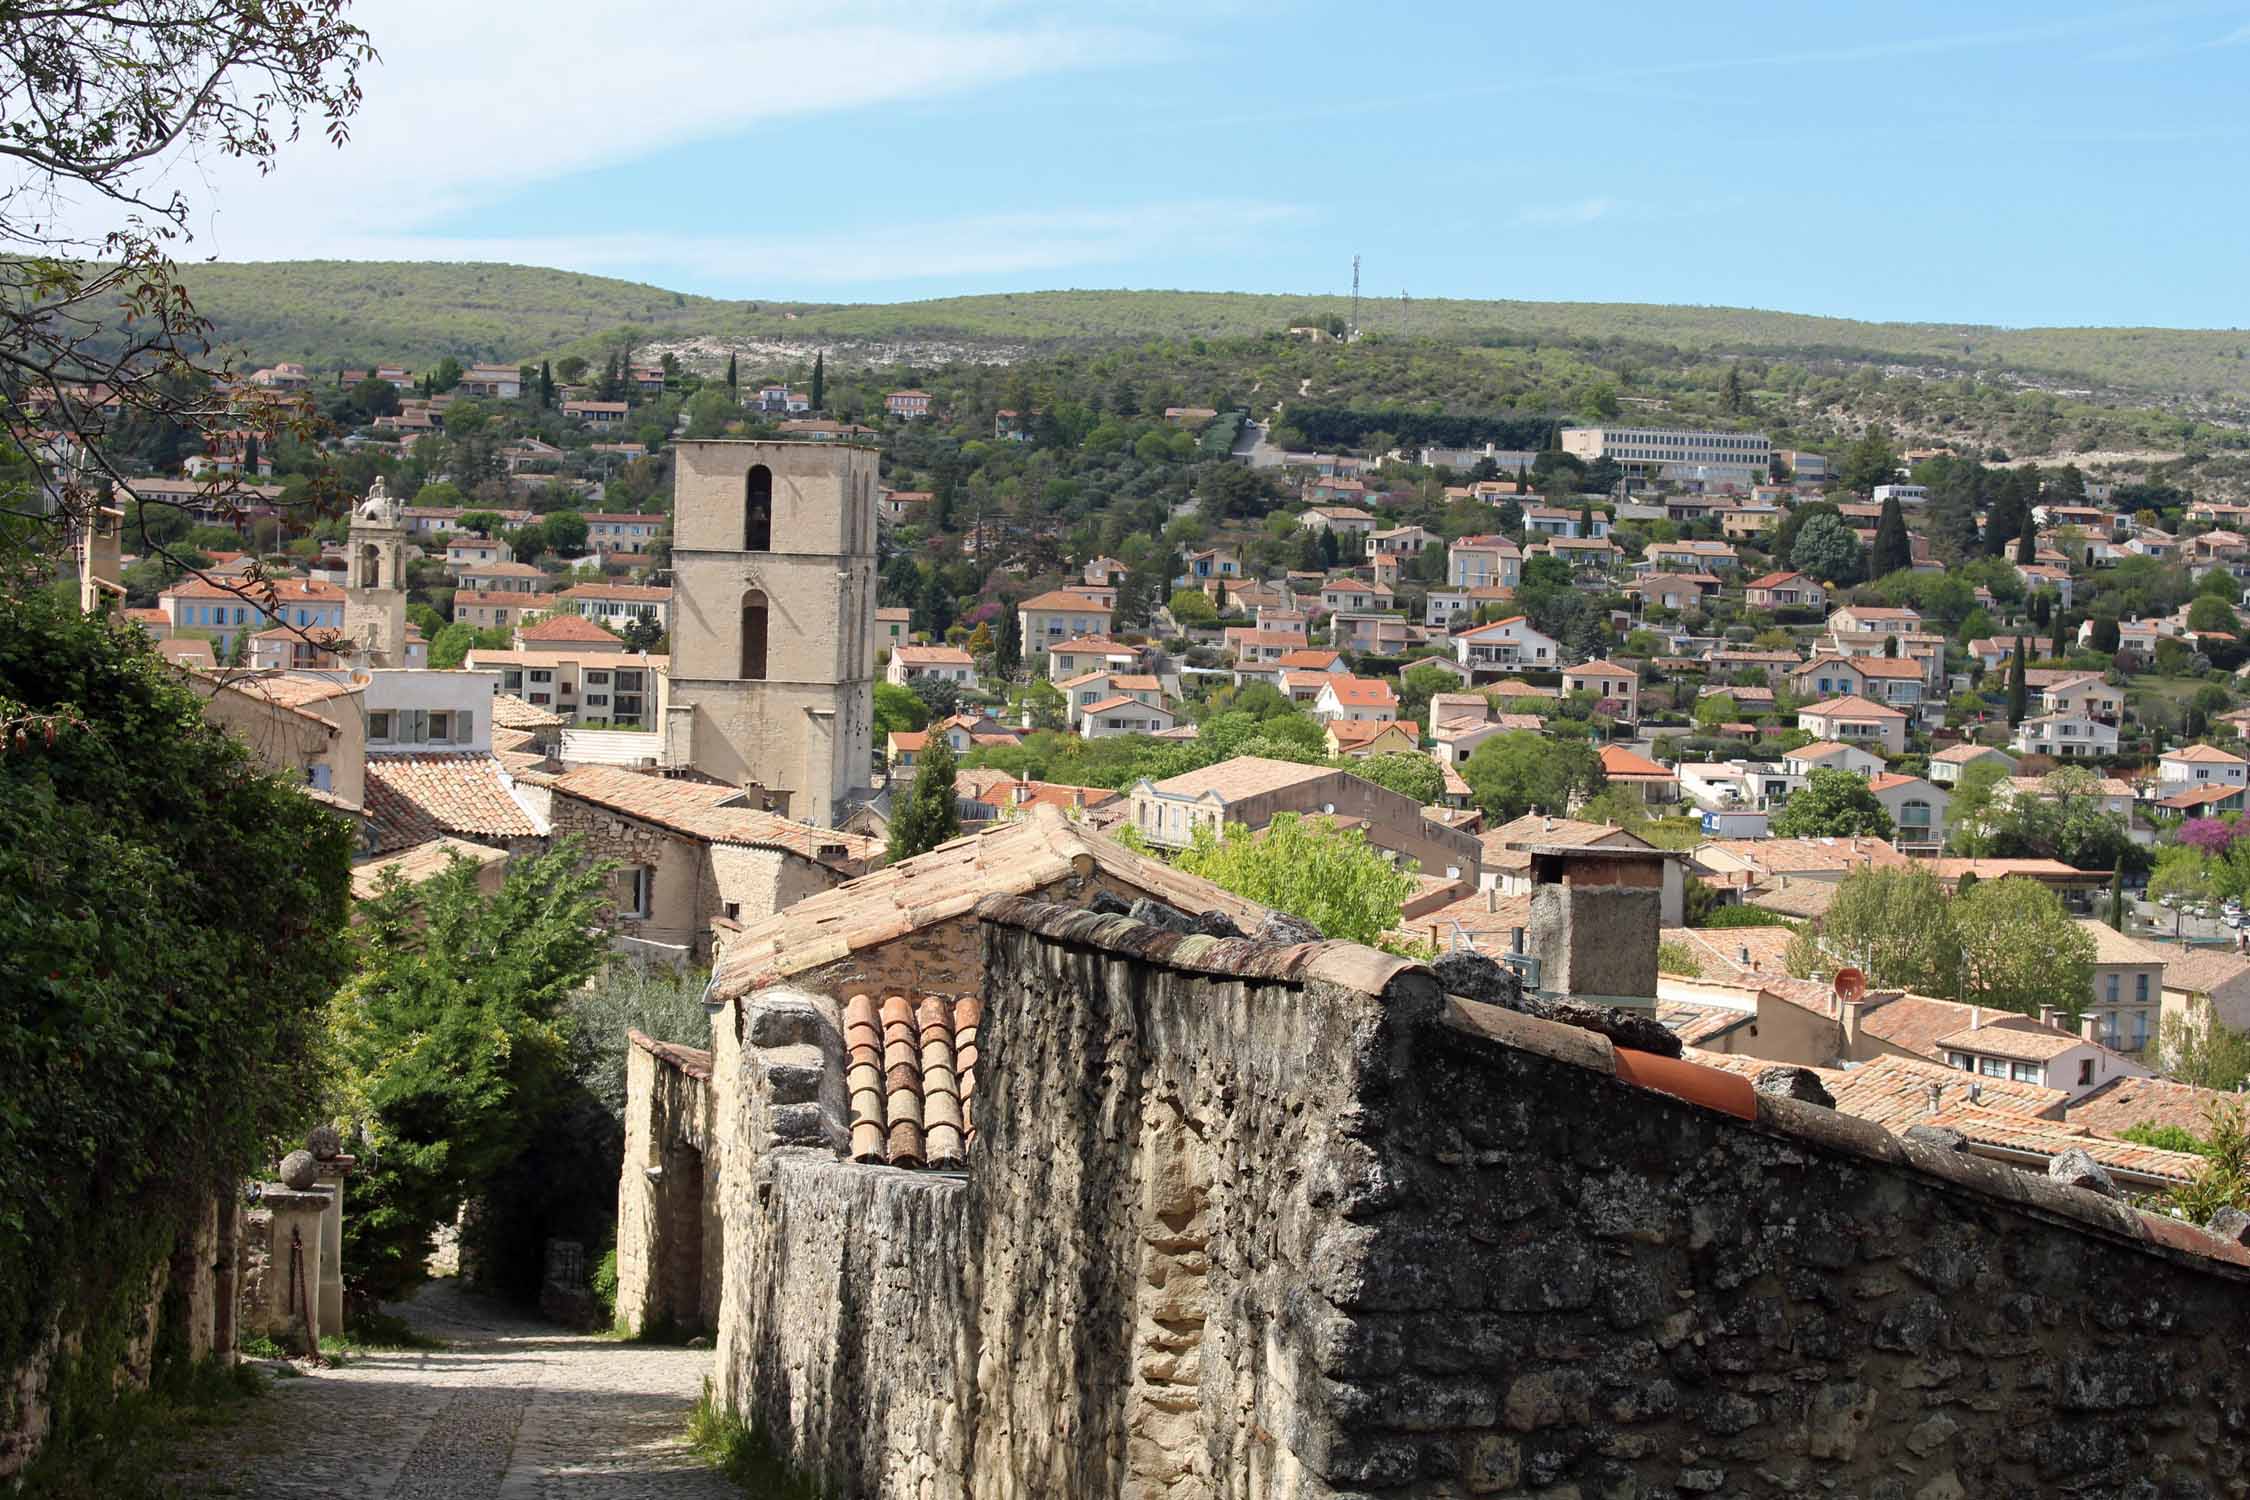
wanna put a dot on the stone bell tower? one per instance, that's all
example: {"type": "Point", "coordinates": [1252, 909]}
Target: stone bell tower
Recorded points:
{"type": "Point", "coordinates": [773, 611]}
{"type": "Point", "coordinates": [375, 582]}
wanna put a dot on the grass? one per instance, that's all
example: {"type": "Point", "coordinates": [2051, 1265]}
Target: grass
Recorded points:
{"type": "Point", "coordinates": [124, 1453]}
{"type": "Point", "coordinates": [375, 1333]}
{"type": "Point", "coordinates": [743, 1453]}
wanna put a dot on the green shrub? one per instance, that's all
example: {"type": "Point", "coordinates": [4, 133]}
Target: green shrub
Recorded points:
{"type": "Point", "coordinates": [743, 1452]}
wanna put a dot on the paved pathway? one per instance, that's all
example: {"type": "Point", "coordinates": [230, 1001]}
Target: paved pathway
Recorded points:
{"type": "Point", "coordinates": [510, 1409]}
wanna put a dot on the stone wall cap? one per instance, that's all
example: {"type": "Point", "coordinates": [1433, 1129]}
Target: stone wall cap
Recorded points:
{"type": "Point", "coordinates": [310, 1200]}
{"type": "Point", "coordinates": [692, 1061]}
{"type": "Point", "coordinates": [1724, 1092]}
{"type": "Point", "coordinates": [1348, 965]}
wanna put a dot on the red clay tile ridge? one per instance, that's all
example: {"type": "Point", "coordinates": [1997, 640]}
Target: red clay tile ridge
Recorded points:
{"type": "Point", "coordinates": [1824, 1129]}
{"type": "Point", "coordinates": [692, 1061]}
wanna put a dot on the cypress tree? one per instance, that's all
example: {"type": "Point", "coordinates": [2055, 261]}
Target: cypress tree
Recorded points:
{"type": "Point", "coordinates": [2117, 899]}
{"type": "Point", "coordinates": [928, 817]}
{"type": "Point", "coordinates": [2018, 695]}
{"type": "Point", "coordinates": [819, 381]}
{"type": "Point", "coordinates": [1007, 644]}
{"type": "Point", "coordinates": [732, 384]}
{"type": "Point", "coordinates": [2062, 634]}
{"type": "Point", "coordinates": [2027, 547]}
{"type": "Point", "coordinates": [1892, 552]}
{"type": "Point", "coordinates": [546, 384]}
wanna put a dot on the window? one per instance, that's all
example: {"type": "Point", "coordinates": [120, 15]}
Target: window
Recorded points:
{"type": "Point", "coordinates": [2024, 1072]}
{"type": "Point", "coordinates": [754, 635]}
{"type": "Point", "coordinates": [379, 726]}
{"type": "Point", "coordinates": [542, 676]}
{"type": "Point", "coordinates": [320, 778]}
{"type": "Point", "coordinates": [2140, 990]}
{"type": "Point", "coordinates": [757, 513]}
{"type": "Point", "coordinates": [441, 726]}
{"type": "Point", "coordinates": [1992, 1067]}
{"type": "Point", "coordinates": [636, 887]}
{"type": "Point", "coordinates": [2111, 984]}
{"type": "Point", "coordinates": [2085, 1070]}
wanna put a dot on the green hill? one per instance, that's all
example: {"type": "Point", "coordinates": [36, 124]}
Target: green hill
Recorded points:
{"type": "Point", "coordinates": [331, 313]}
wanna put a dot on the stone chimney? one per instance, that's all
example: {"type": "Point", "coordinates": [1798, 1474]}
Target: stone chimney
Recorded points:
{"type": "Point", "coordinates": [1595, 918]}
{"type": "Point", "coordinates": [1934, 1097]}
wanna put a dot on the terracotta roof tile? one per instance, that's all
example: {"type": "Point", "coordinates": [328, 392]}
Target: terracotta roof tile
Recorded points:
{"type": "Point", "coordinates": [700, 810]}
{"type": "Point", "coordinates": [2122, 1103]}
{"type": "Point", "coordinates": [693, 1061]}
{"type": "Point", "coordinates": [564, 628]}
{"type": "Point", "coordinates": [414, 798]}
{"type": "Point", "coordinates": [420, 863]}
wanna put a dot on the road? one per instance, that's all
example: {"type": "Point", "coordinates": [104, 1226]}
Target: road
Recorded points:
{"type": "Point", "coordinates": [508, 1409]}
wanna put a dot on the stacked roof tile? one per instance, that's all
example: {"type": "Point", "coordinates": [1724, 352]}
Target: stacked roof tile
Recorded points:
{"type": "Point", "coordinates": [910, 1072]}
{"type": "Point", "coordinates": [414, 798]}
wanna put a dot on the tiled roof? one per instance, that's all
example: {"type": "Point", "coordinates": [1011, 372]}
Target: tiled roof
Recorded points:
{"type": "Point", "coordinates": [1243, 776]}
{"type": "Point", "coordinates": [421, 862]}
{"type": "Point", "coordinates": [933, 656]}
{"type": "Point", "coordinates": [1963, 754]}
{"type": "Point", "coordinates": [693, 1061]}
{"type": "Point", "coordinates": [2204, 755]}
{"type": "Point", "coordinates": [2122, 1103]}
{"type": "Point", "coordinates": [910, 1073]}
{"type": "Point", "coordinates": [698, 809]}
{"type": "Point", "coordinates": [1852, 706]}
{"type": "Point", "coordinates": [511, 712]}
{"type": "Point", "coordinates": [1697, 1024]}
{"type": "Point", "coordinates": [1821, 749]}
{"type": "Point", "coordinates": [1023, 855]}
{"type": "Point", "coordinates": [414, 798]}
{"type": "Point", "coordinates": [1986, 1127]}
{"type": "Point", "coordinates": [1600, 669]}
{"type": "Point", "coordinates": [1952, 867]}
{"type": "Point", "coordinates": [1894, 1092]}
{"type": "Point", "coordinates": [1796, 855]}
{"type": "Point", "coordinates": [1719, 951]}
{"type": "Point", "coordinates": [2203, 971]}
{"type": "Point", "coordinates": [1362, 692]}
{"type": "Point", "coordinates": [559, 628]}
{"type": "Point", "coordinates": [2021, 1043]}
{"type": "Point", "coordinates": [1351, 732]}
{"type": "Point", "coordinates": [1064, 599]}
{"type": "Point", "coordinates": [1801, 898]}
{"type": "Point", "coordinates": [191, 651]}
{"type": "Point", "coordinates": [2114, 947]}
{"type": "Point", "coordinates": [1619, 761]}
{"type": "Point", "coordinates": [624, 593]}
{"type": "Point", "coordinates": [1776, 580]}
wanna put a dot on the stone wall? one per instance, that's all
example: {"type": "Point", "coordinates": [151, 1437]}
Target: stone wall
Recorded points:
{"type": "Point", "coordinates": [1246, 1221]}
{"type": "Point", "coordinates": [668, 1239]}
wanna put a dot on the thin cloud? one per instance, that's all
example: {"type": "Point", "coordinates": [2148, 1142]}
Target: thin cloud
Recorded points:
{"type": "Point", "coordinates": [2240, 36]}
{"type": "Point", "coordinates": [1579, 211]}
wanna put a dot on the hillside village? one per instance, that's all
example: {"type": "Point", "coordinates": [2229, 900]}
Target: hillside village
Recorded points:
{"type": "Point", "coordinates": [1898, 787]}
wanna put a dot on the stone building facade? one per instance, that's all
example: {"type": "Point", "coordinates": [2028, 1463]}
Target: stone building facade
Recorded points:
{"type": "Point", "coordinates": [772, 670]}
{"type": "Point", "coordinates": [1240, 1219]}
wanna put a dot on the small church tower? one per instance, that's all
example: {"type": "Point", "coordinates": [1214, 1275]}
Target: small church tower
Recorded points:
{"type": "Point", "coordinates": [375, 582]}
{"type": "Point", "coordinates": [772, 670]}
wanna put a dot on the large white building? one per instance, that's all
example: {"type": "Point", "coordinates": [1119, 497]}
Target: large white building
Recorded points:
{"type": "Point", "coordinates": [1670, 455]}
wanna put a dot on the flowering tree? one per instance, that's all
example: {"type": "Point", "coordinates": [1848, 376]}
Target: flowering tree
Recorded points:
{"type": "Point", "coordinates": [2211, 835]}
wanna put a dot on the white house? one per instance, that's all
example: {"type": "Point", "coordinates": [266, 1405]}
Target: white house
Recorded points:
{"type": "Point", "coordinates": [2066, 736]}
{"type": "Point", "coordinates": [1355, 698]}
{"type": "Point", "coordinates": [1124, 714]}
{"type": "Point", "coordinates": [1917, 809]}
{"type": "Point", "coordinates": [1506, 645]}
{"type": "Point", "coordinates": [944, 663]}
{"type": "Point", "coordinates": [2199, 766]}
{"type": "Point", "coordinates": [1855, 719]}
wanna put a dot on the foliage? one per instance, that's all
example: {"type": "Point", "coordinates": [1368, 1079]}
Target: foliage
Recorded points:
{"type": "Point", "coordinates": [176, 929]}
{"type": "Point", "coordinates": [1827, 549]}
{"type": "Point", "coordinates": [2165, 1137]}
{"type": "Point", "coordinates": [1512, 773]}
{"type": "Point", "coordinates": [2210, 835]}
{"type": "Point", "coordinates": [130, 1449]}
{"type": "Point", "coordinates": [452, 645]}
{"type": "Point", "coordinates": [456, 1037]}
{"type": "Point", "coordinates": [1309, 868]}
{"type": "Point", "coordinates": [2063, 820]}
{"type": "Point", "coordinates": [1677, 958]}
{"type": "Point", "coordinates": [1742, 915]}
{"type": "Point", "coordinates": [2182, 873]}
{"type": "Point", "coordinates": [1415, 776]}
{"type": "Point", "coordinates": [930, 815]}
{"type": "Point", "coordinates": [2020, 949]}
{"type": "Point", "coordinates": [744, 1452]}
{"type": "Point", "coordinates": [1896, 927]}
{"type": "Point", "coordinates": [2223, 1179]}
{"type": "Point", "coordinates": [1891, 552]}
{"type": "Point", "coordinates": [1192, 607]}
{"type": "Point", "coordinates": [1833, 804]}
{"type": "Point", "coordinates": [2194, 1047]}
{"type": "Point", "coordinates": [898, 710]}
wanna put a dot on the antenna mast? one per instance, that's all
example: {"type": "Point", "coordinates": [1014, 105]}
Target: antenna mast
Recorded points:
{"type": "Point", "coordinates": [1353, 334]}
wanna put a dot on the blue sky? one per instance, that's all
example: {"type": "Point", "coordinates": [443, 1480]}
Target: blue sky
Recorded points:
{"type": "Point", "coordinates": [1992, 163]}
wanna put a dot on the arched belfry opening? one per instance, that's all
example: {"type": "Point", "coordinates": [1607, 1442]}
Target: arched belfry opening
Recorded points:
{"type": "Point", "coordinates": [757, 512]}
{"type": "Point", "coordinates": [754, 635]}
{"type": "Point", "coordinates": [370, 567]}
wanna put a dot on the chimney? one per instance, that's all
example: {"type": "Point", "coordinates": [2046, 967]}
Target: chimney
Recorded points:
{"type": "Point", "coordinates": [1976, 1017]}
{"type": "Point", "coordinates": [1546, 825]}
{"type": "Point", "coordinates": [1935, 1093]}
{"type": "Point", "coordinates": [1976, 1092]}
{"type": "Point", "coordinates": [1742, 956]}
{"type": "Point", "coordinates": [1515, 940]}
{"type": "Point", "coordinates": [1492, 898]}
{"type": "Point", "coordinates": [2089, 1027]}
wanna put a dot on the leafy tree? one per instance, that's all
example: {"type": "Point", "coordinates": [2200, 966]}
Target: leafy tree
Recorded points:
{"type": "Point", "coordinates": [641, 633]}
{"type": "Point", "coordinates": [1892, 553]}
{"type": "Point", "coordinates": [2182, 874]}
{"type": "Point", "coordinates": [2020, 949]}
{"type": "Point", "coordinates": [1895, 926]}
{"type": "Point", "coordinates": [1827, 549]}
{"type": "Point", "coordinates": [566, 532]}
{"type": "Point", "coordinates": [2223, 1179]}
{"type": "Point", "coordinates": [941, 697]}
{"type": "Point", "coordinates": [1046, 706]}
{"type": "Point", "coordinates": [1870, 460]}
{"type": "Point", "coordinates": [1309, 868]}
{"type": "Point", "coordinates": [164, 1013]}
{"type": "Point", "coordinates": [2210, 613]}
{"type": "Point", "coordinates": [930, 815]}
{"type": "Point", "coordinates": [445, 376]}
{"type": "Point", "coordinates": [1515, 772]}
{"type": "Point", "coordinates": [1417, 685]}
{"type": "Point", "coordinates": [1715, 709]}
{"type": "Point", "coordinates": [709, 411]}
{"type": "Point", "coordinates": [1192, 608]}
{"type": "Point", "coordinates": [1834, 804]}
{"type": "Point", "coordinates": [1676, 958]}
{"type": "Point", "coordinates": [451, 646]}
{"type": "Point", "coordinates": [455, 1044]}
{"type": "Point", "coordinates": [1415, 776]}
{"type": "Point", "coordinates": [897, 710]}
{"type": "Point", "coordinates": [2194, 1047]}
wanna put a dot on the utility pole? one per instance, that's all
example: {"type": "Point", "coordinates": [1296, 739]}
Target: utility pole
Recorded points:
{"type": "Point", "coordinates": [1351, 335]}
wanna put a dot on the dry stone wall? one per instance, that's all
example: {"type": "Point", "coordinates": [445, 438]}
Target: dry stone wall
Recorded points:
{"type": "Point", "coordinates": [1310, 1229]}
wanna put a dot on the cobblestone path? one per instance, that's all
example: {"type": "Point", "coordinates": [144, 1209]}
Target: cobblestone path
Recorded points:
{"type": "Point", "coordinates": [510, 1409]}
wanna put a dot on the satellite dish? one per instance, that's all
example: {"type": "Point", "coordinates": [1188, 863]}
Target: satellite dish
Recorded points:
{"type": "Point", "coordinates": [1850, 985]}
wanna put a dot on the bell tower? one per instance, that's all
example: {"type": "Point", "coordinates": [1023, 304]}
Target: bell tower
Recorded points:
{"type": "Point", "coordinates": [773, 608]}
{"type": "Point", "coordinates": [375, 582]}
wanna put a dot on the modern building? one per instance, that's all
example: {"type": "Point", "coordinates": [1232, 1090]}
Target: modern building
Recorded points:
{"type": "Point", "coordinates": [1676, 456]}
